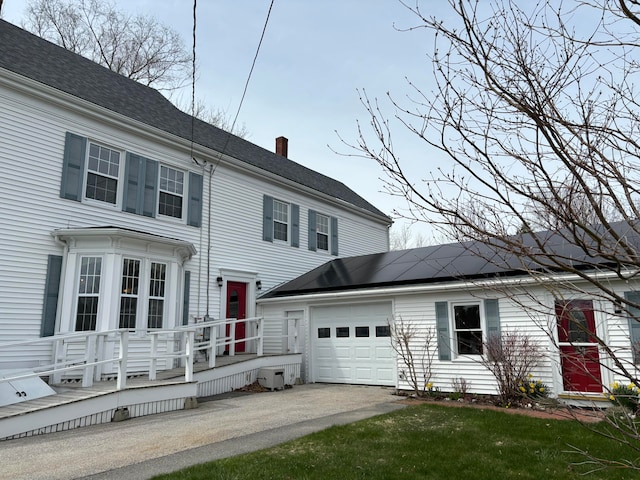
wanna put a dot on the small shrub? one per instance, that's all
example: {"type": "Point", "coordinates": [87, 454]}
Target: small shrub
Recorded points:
{"type": "Point", "coordinates": [531, 388]}
{"type": "Point", "coordinates": [626, 396]}
{"type": "Point", "coordinates": [510, 357]}
{"type": "Point", "coordinates": [460, 387]}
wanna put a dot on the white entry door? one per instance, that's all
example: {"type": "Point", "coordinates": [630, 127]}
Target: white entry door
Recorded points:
{"type": "Point", "coordinates": [351, 344]}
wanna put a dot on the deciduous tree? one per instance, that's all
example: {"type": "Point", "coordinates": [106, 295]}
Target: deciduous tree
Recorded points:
{"type": "Point", "coordinates": [535, 118]}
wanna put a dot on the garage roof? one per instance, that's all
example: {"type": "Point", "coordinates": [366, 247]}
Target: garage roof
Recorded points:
{"type": "Point", "coordinates": [449, 262]}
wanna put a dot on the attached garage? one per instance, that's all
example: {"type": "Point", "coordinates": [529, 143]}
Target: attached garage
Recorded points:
{"type": "Point", "coordinates": [351, 344]}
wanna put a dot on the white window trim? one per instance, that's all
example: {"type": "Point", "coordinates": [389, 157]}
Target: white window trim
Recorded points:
{"type": "Point", "coordinates": [328, 234]}
{"type": "Point", "coordinates": [288, 224]}
{"type": "Point", "coordinates": [77, 295]}
{"type": "Point", "coordinates": [454, 330]}
{"type": "Point", "coordinates": [184, 195]}
{"type": "Point", "coordinates": [149, 296]}
{"type": "Point", "coordinates": [140, 287]}
{"type": "Point", "coordinates": [120, 179]}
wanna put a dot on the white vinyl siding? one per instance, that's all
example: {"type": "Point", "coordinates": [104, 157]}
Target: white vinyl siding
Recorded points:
{"type": "Point", "coordinates": [34, 133]}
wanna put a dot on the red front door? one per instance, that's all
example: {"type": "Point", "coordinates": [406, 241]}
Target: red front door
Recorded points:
{"type": "Point", "coordinates": [579, 355]}
{"type": "Point", "coordinates": [237, 308]}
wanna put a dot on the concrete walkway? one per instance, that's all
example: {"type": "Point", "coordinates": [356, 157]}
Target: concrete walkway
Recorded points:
{"type": "Point", "coordinates": [225, 426]}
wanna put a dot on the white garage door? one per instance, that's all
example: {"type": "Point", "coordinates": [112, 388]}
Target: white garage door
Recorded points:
{"type": "Point", "coordinates": [351, 344]}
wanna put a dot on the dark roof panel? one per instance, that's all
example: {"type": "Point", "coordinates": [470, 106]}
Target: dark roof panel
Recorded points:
{"type": "Point", "coordinates": [37, 59]}
{"type": "Point", "coordinates": [440, 263]}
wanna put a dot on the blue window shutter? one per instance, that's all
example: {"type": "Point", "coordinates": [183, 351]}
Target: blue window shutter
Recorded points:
{"type": "Point", "coordinates": [185, 300]}
{"type": "Point", "coordinates": [634, 324]}
{"type": "Point", "coordinates": [295, 225]}
{"type": "Point", "coordinates": [442, 327]}
{"type": "Point", "coordinates": [51, 290]}
{"type": "Point", "coordinates": [312, 231]}
{"type": "Point", "coordinates": [150, 192]}
{"type": "Point", "coordinates": [334, 236]}
{"type": "Point", "coordinates": [267, 218]}
{"type": "Point", "coordinates": [140, 185]}
{"type": "Point", "coordinates": [75, 150]}
{"type": "Point", "coordinates": [492, 317]}
{"type": "Point", "coordinates": [195, 200]}
{"type": "Point", "coordinates": [132, 173]}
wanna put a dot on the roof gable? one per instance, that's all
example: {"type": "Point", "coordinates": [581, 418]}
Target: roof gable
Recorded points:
{"type": "Point", "coordinates": [33, 57]}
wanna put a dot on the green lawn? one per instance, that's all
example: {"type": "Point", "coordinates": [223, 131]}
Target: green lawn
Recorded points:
{"type": "Point", "coordinates": [428, 442]}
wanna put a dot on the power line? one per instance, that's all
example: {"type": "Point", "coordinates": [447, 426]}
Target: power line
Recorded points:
{"type": "Point", "coordinates": [214, 166]}
{"type": "Point", "coordinates": [246, 85]}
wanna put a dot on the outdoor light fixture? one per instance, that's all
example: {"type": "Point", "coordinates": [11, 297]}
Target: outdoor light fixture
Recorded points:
{"type": "Point", "coordinates": [219, 280]}
{"type": "Point", "coordinates": [259, 284]}
{"type": "Point", "coordinates": [617, 307]}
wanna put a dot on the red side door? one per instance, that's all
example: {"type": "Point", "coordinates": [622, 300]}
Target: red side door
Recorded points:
{"type": "Point", "coordinates": [580, 360]}
{"type": "Point", "coordinates": [237, 308]}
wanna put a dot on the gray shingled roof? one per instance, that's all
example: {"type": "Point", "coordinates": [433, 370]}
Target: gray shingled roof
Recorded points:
{"type": "Point", "coordinates": [449, 262]}
{"type": "Point", "coordinates": [35, 58]}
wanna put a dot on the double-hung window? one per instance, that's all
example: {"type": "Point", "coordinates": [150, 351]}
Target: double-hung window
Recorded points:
{"type": "Point", "coordinates": [129, 293]}
{"type": "Point", "coordinates": [103, 173]}
{"type": "Point", "coordinates": [280, 221]}
{"type": "Point", "coordinates": [157, 281]}
{"type": "Point", "coordinates": [88, 293]}
{"type": "Point", "coordinates": [134, 274]}
{"type": "Point", "coordinates": [322, 232]}
{"type": "Point", "coordinates": [171, 192]}
{"type": "Point", "coordinates": [467, 328]}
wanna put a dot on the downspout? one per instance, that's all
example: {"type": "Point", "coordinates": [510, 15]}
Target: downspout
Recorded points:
{"type": "Point", "coordinates": [209, 243]}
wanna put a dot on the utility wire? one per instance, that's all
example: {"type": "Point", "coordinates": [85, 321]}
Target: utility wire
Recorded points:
{"type": "Point", "coordinates": [213, 167]}
{"type": "Point", "coordinates": [193, 80]}
{"type": "Point", "coordinates": [253, 64]}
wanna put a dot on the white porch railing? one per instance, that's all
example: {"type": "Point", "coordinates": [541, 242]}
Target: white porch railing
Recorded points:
{"type": "Point", "coordinates": [91, 352]}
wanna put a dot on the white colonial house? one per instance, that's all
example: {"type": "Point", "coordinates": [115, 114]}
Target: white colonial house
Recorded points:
{"type": "Point", "coordinates": [453, 293]}
{"type": "Point", "coordinates": [122, 212]}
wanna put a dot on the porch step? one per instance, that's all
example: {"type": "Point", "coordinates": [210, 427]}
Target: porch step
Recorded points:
{"type": "Point", "coordinates": [587, 400]}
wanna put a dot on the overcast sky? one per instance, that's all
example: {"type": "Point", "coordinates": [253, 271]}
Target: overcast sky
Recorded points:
{"type": "Point", "coordinates": [313, 59]}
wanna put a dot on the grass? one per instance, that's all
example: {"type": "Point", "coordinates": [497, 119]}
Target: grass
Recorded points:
{"type": "Point", "coordinates": [428, 442]}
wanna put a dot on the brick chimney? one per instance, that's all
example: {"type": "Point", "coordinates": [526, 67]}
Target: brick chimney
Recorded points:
{"type": "Point", "coordinates": [282, 146]}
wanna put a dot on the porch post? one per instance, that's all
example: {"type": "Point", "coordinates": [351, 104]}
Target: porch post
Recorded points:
{"type": "Point", "coordinates": [121, 383]}
{"type": "Point", "coordinates": [154, 360]}
{"type": "Point", "coordinates": [296, 337]}
{"type": "Point", "coordinates": [232, 337]}
{"type": "Point", "coordinates": [58, 357]}
{"type": "Point", "coordinates": [188, 368]}
{"type": "Point", "coordinates": [101, 340]}
{"type": "Point", "coordinates": [89, 359]}
{"type": "Point", "coordinates": [260, 349]}
{"type": "Point", "coordinates": [211, 349]}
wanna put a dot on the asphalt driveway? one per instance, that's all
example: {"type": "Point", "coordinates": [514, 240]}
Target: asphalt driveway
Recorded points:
{"type": "Point", "coordinates": [224, 426]}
